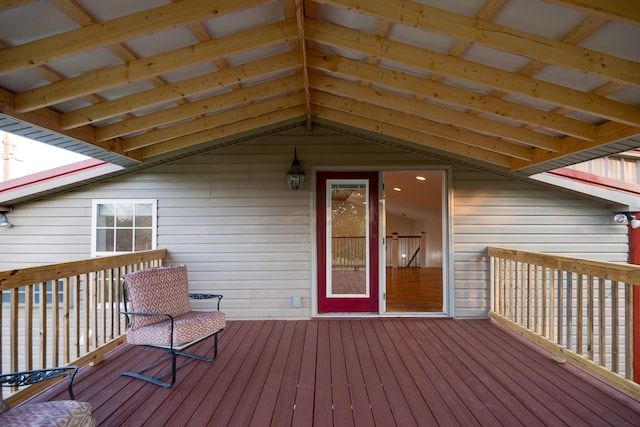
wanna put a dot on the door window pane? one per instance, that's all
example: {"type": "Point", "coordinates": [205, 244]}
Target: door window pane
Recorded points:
{"type": "Point", "coordinates": [348, 232]}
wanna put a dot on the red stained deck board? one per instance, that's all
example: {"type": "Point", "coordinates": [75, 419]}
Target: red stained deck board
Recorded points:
{"type": "Point", "coordinates": [361, 372]}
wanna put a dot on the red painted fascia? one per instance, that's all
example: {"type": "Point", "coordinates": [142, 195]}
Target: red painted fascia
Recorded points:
{"type": "Point", "coordinates": [25, 181]}
{"type": "Point", "coordinates": [589, 178]}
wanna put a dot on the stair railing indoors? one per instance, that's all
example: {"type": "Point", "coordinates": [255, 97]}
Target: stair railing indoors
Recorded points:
{"type": "Point", "coordinates": [581, 310]}
{"type": "Point", "coordinates": [65, 313]}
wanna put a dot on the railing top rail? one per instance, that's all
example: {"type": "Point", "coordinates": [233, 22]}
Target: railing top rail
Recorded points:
{"type": "Point", "coordinates": [627, 273]}
{"type": "Point", "coordinates": [26, 276]}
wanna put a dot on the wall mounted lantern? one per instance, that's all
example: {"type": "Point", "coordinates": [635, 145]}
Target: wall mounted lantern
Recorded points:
{"type": "Point", "coordinates": [295, 175]}
{"type": "Point", "coordinates": [627, 218]}
{"type": "Point", "coordinates": [4, 221]}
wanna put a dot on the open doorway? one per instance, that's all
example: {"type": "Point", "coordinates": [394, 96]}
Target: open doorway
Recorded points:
{"type": "Point", "coordinates": [414, 203]}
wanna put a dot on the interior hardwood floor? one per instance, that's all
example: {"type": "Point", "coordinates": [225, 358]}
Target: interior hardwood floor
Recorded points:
{"type": "Point", "coordinates": [414, 290]}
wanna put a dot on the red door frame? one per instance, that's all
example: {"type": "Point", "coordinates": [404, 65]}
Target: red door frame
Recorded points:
{"type": "Point", "coordinates": [347, 305]}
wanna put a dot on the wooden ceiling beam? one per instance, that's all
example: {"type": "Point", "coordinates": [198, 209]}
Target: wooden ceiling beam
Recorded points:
{"type": "Point", "coordinates": [623, 11]}
{"type": "Point", "coordinates": [498, 37]}
{"type": "Point", "coordinates": [181, 89]}
{"type": "Point", "coordinates": [152, 66]}
{"type": "Point", "coordinates": [224, 131]}
{"type": "Point", "coordinates": [209, 122]}
{"type": "Point", "coordinates": [397, 118]}
{"type": "Point", "coordinates": [607, 133]}
{"type": "Point", "coordinates": [450, 94]}
{"type": "Point", "coordinates": [200, 107]}
{"type": "Point", "coordinates": [432, 112]}
{"type": "Point", "coordinates": [48, 119]}
{"type": "Point", "coordinates": [340, 37]}
{"type": "Point", "coordinates": [411, 135]}
{"type": "Point", "coordinates": [116, 31]}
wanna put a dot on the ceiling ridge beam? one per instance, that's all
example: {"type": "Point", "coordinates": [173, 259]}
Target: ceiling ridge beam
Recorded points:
{"type": "Point", "coordinates": [433, 112]}
{"type": "Point", "coordinates": [210, 135]}
{"type": "Point", "coordinates": [410, 135]}
{"type": "Point", "coordinates": [500, 37]}
{"type": "Point", "coordinates": [117, 30]}
{"type": "Point", "coordinates": [401, 119]}
{"type": "Point", "coordinates": [461, 97]}
{"type": "Point", "coordinates": [209, 122]}
{"type": "Point", "coordinates": [485, 75]}
{"type": "Point", "coordinates": [200, 107]}
{"type": "Point", "coordinates": [143, 68]}
{"type": "Point", "coordinates": [180, 89]}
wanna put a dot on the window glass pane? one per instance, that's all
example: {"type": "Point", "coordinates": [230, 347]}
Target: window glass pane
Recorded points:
{"type": "Point", "coordinates": [124, 240]}
{"type": "Point", "coordinates": [104, 240]}
{"type": "Point", "coordinates": [125, 215]}
{"type": "Point", "coordinates": [144, 215]}
{"type": "Point", "coordinates": [143, 240]}
{"type": "Point", "coordinates": [106, 214]}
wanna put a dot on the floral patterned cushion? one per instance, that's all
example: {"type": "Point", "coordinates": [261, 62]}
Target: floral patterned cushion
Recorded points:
{"type": "Point", "coordinates": [188, 327]}
{"type": "Point", "coordinates": [157, 290]}
{"type": "Point", "coordinates": [58, 413]}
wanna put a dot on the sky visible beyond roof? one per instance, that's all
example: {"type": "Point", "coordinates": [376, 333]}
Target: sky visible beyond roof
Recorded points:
{"type": "Point", "coordinates": [27, 156]}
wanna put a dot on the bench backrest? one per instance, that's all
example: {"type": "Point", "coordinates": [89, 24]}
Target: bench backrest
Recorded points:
{"type": "Point", "coordinates": [161, 290]}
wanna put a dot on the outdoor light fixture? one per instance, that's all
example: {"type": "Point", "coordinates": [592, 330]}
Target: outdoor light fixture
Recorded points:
{"type": "Point", "coordinates": [627, 218]}
{"type": "Point", "coordinates": [295, 175]}
{"type": "Point", "coordinates": [4, 221]}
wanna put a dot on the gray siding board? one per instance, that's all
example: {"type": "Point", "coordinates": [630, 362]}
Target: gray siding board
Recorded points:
{"type": "Point", "coordinates": [229, 216]}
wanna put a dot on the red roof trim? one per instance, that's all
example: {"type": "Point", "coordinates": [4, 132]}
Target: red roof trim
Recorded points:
{"type": "Point", "coordinates": [588, 178]}
{"type": "Point", "coordinates": [50, 174]}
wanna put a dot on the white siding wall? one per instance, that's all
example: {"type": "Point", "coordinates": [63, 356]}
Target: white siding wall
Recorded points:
{"type": "Point", "coordinates": [230, 217]}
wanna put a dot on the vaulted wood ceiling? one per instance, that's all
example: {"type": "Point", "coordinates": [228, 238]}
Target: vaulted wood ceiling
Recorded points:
{"type": "Point", "coordinates": [520, 85]}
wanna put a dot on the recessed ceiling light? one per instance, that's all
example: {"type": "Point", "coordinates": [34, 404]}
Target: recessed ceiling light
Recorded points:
{"type": "Point", "coordinates": [397, 188]}
{"type": "Point", "coordinates": [421, 178]}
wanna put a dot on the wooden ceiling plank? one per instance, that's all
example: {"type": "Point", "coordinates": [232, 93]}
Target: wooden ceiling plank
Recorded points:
{"type": "Point", "coordinates": [200, 107]}
{"type": "Point", "coordinates": [181, 89]}
{"type": "Point", "coordinates": [48, 119]}
{"type": "Point", "coordinates": [498, 37]}
{"type": "Point", "coordinates": [494, 78]}
{"type": "Point", "coordinates": [410, 135]}
{"type": "Point", "coordinates": [607, 133]}
{"type": "Point", "coordinates": [208, 122]}
{"type": "Point", "coordinates": [12, 4]}
{"type": "Point", "coordinates": [432, 111]}
{"type": "Point", "coordinates": [623, 11]}
{"type": "Point", "coordinates": [115, 31]}
{"type": "Point", "coordinates": [144, 68]}
{"type": "Point", "coordinates": [428, 127]}
{"type": "Point", "coordinates": [450, 94]}
{"type": "Point", "coordinates": [210, 135]}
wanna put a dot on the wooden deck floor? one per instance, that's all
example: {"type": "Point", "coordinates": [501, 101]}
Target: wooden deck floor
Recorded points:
{"type": "Point", "coordinates": [356, 372]}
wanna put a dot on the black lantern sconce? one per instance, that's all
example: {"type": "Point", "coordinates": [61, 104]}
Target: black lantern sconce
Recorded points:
{"type": "Point", "coordinates": [295, 175]}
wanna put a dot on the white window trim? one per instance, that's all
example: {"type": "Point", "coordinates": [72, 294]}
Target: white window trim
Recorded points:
{"type": "Point", "coordinates": [94, 221]}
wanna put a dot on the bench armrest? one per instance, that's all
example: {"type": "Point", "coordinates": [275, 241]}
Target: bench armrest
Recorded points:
{"type": "Point", "coordinates": [17, 379]}
{"type": "Point", "coordinates": [207, 296]}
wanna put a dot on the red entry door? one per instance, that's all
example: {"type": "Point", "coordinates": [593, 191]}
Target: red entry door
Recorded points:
{"type": "Point", "coordinates": [347, 224]}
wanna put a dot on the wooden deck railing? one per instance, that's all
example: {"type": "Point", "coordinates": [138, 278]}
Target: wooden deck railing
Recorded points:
{"type": "Point", "coordinates": [65, 313]}
{"type": "Point", "coordinates": [579, 309]}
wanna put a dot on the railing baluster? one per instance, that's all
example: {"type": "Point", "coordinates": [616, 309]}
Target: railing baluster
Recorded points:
{"type": "Point", "coordinates": [569, 313]}
{"type": "Point", "coordinates": [602, 327]}
{"type": "Point", "coordinates": [579, 315]}
{"type": "Point", "coordinates": [28, 327]}
{"type": "Point", "coordinates": [590, 319]}
{"type": "Point", "coordinates": [42, 292]}
{"type": "Point", "coordinates": [615, 342]}
{"type": "Point", "coordinates": [55, 323]}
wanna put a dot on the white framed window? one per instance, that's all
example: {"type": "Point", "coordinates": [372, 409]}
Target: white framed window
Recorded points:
{"type": "Point", "coordinates": [123, 226]}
